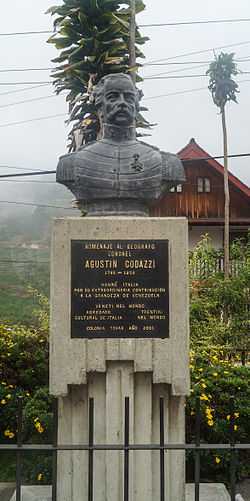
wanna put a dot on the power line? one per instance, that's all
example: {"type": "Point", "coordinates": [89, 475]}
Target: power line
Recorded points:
{"type": "Point", "coordinates": [24, 90]}
{"type": "Point", "coordinates": [185, 160]}
{"type": "Point", "coordinates": [27, 101]}
{"type": "Point", "coordinates": [187, 91]}
{"type": "Point", "coordinates": [17, 33]}
{"type": "Point", "coordinates": [25, 83]}
{"type": "Point", "coordinates": [33, 120]}
{"type": "Point", "coordinates": [240, 60]}
{"type": "Point", "coordinates": [158, 77]}
{"type": "Point", "coordinates": [147, 98]}
{"type": "Point", "coordinates": [35, 205]}
{"type": "Point", "coordinates": [17, 70]}
{"type": "Point", "coordinates": [18, 168]}
{"type": "Point", "coordinates": [31, 181]}
{"type": "Point", "coordinates": [194, 53]}
{"type": "Point", "coordinates": [187, 23]}
{"type": "Point", "coordinates": [39, 173]}
{"type": "Point", "coordinates": [178, 23]}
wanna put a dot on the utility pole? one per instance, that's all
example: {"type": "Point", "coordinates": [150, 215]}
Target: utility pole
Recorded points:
{"type": "Point", "coordinates": [132, 53]}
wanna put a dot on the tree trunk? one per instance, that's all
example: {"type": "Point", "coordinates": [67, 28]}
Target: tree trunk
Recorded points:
{"type": "Point", "coordinates": [132, 53]}
{"type": "Point", "coordinates": [227, 196]}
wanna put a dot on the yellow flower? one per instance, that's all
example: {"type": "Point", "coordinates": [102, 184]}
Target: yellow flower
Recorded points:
{"type": "Point", "coordinates": [3, 401]}
{"type": "Point", "coordinates": [39, 477]}
{"type": "Point", "coordinates": [228, 417]}
{"type": "Point", "coordinates": [203, 397]}
{"type": "Point", "coordinates": [38, 426]}
{"type": "Point", "coordinates": [215, 374]}
{"type": "Point", "coordinates": [235, 427]}
{"type": "Point", "coordinates": [9, 434]}
{"type": "Point", "coordinates": [236, 415]}
{"type": "Point", "coordinates": [217, 460]}
{"type": "Point", "coordinates": [215, 358]}
{"type": "Point", "coordinates": [203, 385]}
{"type": "Point", "coordinates": [8, 396]}
{"type": "Point", "coordinates": [210, 422]}
{"type": "Point", "coordinates": [200, 369]}
{"type": "Point", "coordinates": [226, 372]}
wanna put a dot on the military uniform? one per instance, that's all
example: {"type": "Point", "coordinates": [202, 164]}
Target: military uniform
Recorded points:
{"type": "Point", "coordinates": [119, 167]}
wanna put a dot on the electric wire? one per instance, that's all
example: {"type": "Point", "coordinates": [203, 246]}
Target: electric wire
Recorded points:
{"type": "Point", "coordinates": [34, 120]}
{"type": "Point", "coordinates": [17, 70]}
{"type": "Point", "coordinates": [188, 23]}
{"type": "Point", "coordinates": [184, 160]}
{"type": "Point", "coordinates": [18, 168]}
{"type": "Point", "coordinates": [186, 91]}
{"type": "Point", "coordinates": [36, 205]}
{"type": "Point", "coordinates": [194, 53]}
{"type": "Point", "coordinates": [25, 83]}
{"type": "Point", "coordinates": [151, 25]}
{"type": "Point", "coordinates": [23, 90]}
{"type": "Point", "coordinates": [25, 101]}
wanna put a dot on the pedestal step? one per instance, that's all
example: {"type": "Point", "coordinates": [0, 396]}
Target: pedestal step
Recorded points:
{"type": "Point", "coordinates": [208, 492]}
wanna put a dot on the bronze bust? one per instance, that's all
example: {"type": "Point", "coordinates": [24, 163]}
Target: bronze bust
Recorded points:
{"type": "Point", "coordinates": [118, 175]}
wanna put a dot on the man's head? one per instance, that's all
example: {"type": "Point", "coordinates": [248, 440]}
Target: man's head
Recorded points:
{"type": "Point", "coordinates": [117, 99]}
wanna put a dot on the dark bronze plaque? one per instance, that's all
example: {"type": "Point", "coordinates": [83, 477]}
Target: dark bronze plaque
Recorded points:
{"type": "Point", "coordinates": [119, 289]}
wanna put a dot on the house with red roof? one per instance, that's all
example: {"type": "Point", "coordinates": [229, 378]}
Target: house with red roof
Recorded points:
{"type": "Point", "coordinates": [201, 198]}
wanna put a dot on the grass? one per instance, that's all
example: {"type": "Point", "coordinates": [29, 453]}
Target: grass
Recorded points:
{"type": "Point", "coordinates": [17, 278]}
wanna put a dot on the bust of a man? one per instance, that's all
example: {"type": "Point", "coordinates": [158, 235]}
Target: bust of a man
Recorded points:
{"type": "Point", "coordinates": [118, 175]}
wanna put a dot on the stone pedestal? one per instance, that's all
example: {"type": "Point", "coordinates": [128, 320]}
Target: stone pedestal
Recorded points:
{"type": "Point", "coordinates": [109, 370]}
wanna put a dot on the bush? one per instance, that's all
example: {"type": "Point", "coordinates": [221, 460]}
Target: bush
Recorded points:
{"type": "Point", "coordinates": [24, 374]}
{"type": "Point", "coordinates": [223, 388]}
{"type": "Point", "coordinates": [220, 326]}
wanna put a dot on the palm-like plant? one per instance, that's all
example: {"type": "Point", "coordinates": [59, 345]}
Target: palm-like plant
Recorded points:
{"type": "Point", "coordinates": [224, 89]}
{"type": "Point", "coordinates": [93, 37]}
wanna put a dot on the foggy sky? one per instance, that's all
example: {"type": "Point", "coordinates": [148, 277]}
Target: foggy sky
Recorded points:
{"type": "Point", "coordinates": [37, 145]}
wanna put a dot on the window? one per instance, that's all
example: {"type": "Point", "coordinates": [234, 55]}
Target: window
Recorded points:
{"type": "Point", "coordinates": [203, 185]}
{"type": "Point", "coordinates": [176, 189]}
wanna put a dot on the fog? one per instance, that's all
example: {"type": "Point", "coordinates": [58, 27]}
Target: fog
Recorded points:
{"type": "Point", "coordinates": [38, 144]}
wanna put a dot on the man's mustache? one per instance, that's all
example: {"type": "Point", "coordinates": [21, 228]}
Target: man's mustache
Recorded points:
{"type": "Point", "coordinates": [121, 109]}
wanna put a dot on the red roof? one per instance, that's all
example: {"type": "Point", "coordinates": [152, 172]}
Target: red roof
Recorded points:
{"type": "Point", "coordinates": [192, 150]}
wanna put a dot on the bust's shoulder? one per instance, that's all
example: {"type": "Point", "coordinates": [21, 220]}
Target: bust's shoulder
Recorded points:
{"type": "Point", "coordinates": [172, 167]}
{"type": "Point", "coordinates": [147, 146]}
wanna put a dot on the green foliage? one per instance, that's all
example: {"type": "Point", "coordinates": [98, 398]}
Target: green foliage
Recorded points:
{"type": "Point", "coordinates": [23, 357]}
{"type": "Point", "coordinates": [219, 309]}
{"type": "Point", "coordinates": [24, 374]}
{"type": "Point", "coordinates": [221, 85]}
{"type": "Point", "coordinates": [215, 381]}
{"type": "Point", "coordinates": [93, 39]}
{"type": "Point", "coordinates": [220, 326]}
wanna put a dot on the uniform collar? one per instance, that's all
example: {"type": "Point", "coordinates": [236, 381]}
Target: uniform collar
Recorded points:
{"type": "Point", "coordinates": [119, 134]}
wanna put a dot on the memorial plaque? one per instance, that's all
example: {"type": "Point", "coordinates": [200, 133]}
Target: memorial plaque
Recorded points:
{"type": "Point", "coordinates": [119, 289]}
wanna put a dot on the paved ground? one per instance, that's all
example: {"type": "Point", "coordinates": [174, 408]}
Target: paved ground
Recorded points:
{"type": "Point", "coordinates": [6, 491]}
{"type": "Point", "coordinates": [244, 489]}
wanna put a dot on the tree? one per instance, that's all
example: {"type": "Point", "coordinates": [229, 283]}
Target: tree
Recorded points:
{"type": "Point", "coordinates": [94, 39]}
{"type": "Point", "coordinates": [224, 89]}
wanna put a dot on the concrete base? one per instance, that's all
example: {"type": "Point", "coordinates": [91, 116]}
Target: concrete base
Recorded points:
{"type": "Point", "coordinates": [34, 493]}
{"type": "Point", "coordinates": [208, 492]}
{"type": "Point", "coordinates": [109, 391]}
{"type": "Point", "coordinates": [6, 490]}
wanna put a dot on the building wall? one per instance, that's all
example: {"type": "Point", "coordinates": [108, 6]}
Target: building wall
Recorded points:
{"type": "Point", "coordinates": [196, 205]}
{"type": "Point", "coordinates": [215, 233]}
